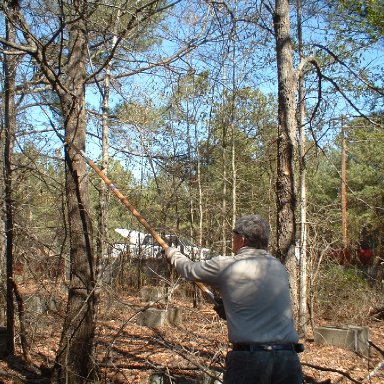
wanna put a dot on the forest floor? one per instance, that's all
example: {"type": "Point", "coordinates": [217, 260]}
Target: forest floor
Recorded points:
{"type": "Point", "coordinates": [130, 353]}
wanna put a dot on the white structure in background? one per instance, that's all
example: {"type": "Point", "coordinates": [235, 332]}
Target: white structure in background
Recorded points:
{"type": "Point", "coordinates": [139, 244]}
{"type": "Point", "coordinates": [151, 249]}
{"type": "Point", "coordinates": [132, 242]}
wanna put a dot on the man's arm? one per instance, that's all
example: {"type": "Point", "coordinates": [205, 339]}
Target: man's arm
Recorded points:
{"type": "Point", "coordinates": [207, 271]}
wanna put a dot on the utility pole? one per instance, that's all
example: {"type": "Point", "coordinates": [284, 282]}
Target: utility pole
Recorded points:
{"type": "Point", "coordinates": [344, 188]}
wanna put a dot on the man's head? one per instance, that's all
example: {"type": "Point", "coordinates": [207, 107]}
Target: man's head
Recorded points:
{"type": "Point", "coordinates": [252, 231]}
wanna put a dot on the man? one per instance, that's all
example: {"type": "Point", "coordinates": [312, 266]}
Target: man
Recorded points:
{"type": "Point", "coordinates": [255, 292]}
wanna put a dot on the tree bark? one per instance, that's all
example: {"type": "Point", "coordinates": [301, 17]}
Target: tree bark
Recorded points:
{"type": "Point", "coordinates": [303, 281]}
{"type": "Point", "coordinates": [104, 190]}
{"type": "Point", "coordinates": [74, 362]}
{"type": "Point", "coordinates": [9, 134]}
{"type": "Point", "coordinates": [224, 191]}
{"type": "Point", "coordinates": [286, 200]}
{"type": "Point", "coordinates": [285, 187]}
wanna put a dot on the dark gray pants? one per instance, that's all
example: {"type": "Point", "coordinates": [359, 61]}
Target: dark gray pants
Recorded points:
{"type": "Point", "coordinates": [263, 367]}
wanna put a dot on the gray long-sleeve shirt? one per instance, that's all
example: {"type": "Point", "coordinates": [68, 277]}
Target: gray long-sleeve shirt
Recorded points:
{"type": "Point", "coordinates": [255, 290]}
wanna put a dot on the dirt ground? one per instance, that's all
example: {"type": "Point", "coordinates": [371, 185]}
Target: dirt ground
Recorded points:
{"type": "Point", "coordinates": [199, 343]}
{"type": "Point", "coordinates": [192, 350]}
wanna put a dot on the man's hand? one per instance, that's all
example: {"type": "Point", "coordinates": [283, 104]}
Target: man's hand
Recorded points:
{"type": "Point", "coordinates": [168, 253]}
{"type": "Point", "coordinates": [219, 308]}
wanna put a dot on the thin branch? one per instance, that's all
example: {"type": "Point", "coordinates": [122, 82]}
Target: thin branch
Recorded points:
{"type": "Point", "coordinates": [19, 49]}
{"type": "Point", "coordinates": [369, 85]}
{"type": "Point", "coordinates": [325, 369]}
{"type": "Point", "coordinates": [133, 21]}
{"type": "Point", "coordinates": [182, 52]}
{"type": "Point", "coordinates": [23, 332]}
{"type": "Point", "coordinates": [349, 101]}
{"type": "Point", "coordinates": [312, 60]}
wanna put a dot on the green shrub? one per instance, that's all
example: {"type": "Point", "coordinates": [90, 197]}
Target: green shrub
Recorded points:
{"type": "Point", "coordinates": [343, 296]}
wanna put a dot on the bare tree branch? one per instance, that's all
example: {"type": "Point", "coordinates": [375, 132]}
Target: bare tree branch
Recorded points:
{"type": "Point", "coordinates": [369, 85]}
{"type": "Point", "coordinates": [325, 369]}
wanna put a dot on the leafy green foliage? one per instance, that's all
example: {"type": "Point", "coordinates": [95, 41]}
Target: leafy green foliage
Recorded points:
{"type": "Point", "coordinates": [39, 204]}
{"type": "Point", "coordinates": [367, 13]}
{"type": "Point", "coordinates": [366, 176]}
{"type": "Point", "coordinates": [324, 185]}
{"type": "Point", "coordinates": [118, 215]}
{"type": "Point", "coordinates": [343, 296]}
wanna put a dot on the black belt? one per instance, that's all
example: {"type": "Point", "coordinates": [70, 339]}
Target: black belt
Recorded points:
{"type": "Point", "coordinates": [268, 347]}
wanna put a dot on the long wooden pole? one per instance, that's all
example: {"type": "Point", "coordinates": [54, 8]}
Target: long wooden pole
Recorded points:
{"type": "Point", "coordinates": [132, 209]}
{"type": "Point", "coordinates": [344, 189]}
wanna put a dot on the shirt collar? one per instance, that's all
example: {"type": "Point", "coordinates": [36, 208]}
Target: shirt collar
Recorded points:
{"type": "Point", "coordinates": [250, 250]}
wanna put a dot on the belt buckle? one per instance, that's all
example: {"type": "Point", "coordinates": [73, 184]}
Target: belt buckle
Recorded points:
{"type": "Point", "coordinates": [264, 347]}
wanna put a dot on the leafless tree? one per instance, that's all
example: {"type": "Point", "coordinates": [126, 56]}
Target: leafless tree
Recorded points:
{"type": "Point", "coordinates": [10, 63]}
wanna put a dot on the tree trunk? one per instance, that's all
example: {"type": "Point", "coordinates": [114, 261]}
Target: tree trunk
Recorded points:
{"type": "Point", "coordinates": [74, 361]}
{"type": "Point", "coordinates": [303, 295]}
{"type": "Point", "coordinates": [303, 292]}
{"type": "Point", "coordinates": [200, 194]}
{"type": "Point", "coordinates": [224, 192]}
{"type": "Point", "coordinates": [232, 120]}
{"type": "Point", "coordinates": [285, 189]}
{"type": "Point", "coordinates": [9, 133]}
{"type": "Point", "coordinates": [3, 269]}
{"type": "Point", "coordinates": [104, 190]}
